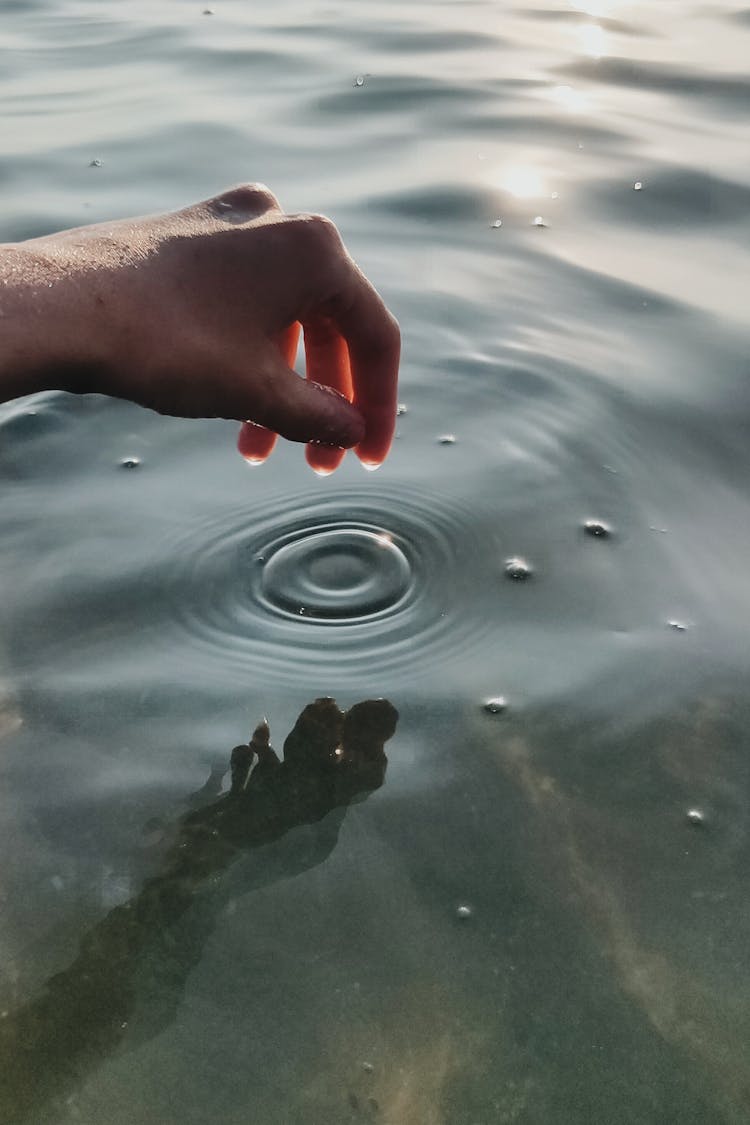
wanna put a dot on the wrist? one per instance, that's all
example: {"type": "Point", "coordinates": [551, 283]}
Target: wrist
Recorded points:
{"type": "Point", "coordinates": [49, 335]}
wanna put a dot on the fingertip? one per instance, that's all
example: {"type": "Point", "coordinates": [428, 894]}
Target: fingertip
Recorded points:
{"type": "Point", "coordinates": [324, 459]}
{"type": "Point", "coordinates": [255, 443]}
{"type": "Point", "coordinates": [373, 449]}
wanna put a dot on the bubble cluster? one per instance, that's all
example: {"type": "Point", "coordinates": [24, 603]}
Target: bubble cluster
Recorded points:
{"type": "Point", "coordinates": [496, 705]}
{"type": "Point", "coordinates": [518, 569]}
{"type": "Point", "coordinates": [597, 529]}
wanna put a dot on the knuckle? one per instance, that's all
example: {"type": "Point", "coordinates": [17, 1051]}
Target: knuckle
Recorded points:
{"type": "Point", "coordinates": [250, 199]}
{"type": "Point", "coordinates": [320, 232]}
{"type": "Point", "coordinates": [393, 329]}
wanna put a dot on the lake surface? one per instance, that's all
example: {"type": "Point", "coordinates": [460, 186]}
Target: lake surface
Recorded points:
{"type": "Point", "coordinates": [541, 915]}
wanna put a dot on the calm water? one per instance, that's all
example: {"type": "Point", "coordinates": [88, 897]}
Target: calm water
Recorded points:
{"type": "Point", "coordinates": [556, 204]}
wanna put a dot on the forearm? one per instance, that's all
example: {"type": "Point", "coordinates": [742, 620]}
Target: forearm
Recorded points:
{"type": "Point", "coordinates": [47, 322]}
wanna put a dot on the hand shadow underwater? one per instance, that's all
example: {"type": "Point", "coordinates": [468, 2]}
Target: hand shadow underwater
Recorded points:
{"type": "Point", "coordinates": [128, 978]}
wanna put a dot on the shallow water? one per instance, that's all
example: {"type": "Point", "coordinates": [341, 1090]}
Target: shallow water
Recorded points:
{"type": "Point", "coordinates": [592, 365]}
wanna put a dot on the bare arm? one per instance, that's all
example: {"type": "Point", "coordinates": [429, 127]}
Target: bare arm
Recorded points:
{"type": "Point", "coordinates": [197, 313]}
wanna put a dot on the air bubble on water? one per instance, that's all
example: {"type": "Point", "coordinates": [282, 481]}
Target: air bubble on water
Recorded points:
{"type": "Point", "coordinates": [638, 186]}
{"type": "Point", "coordinates": [359, 80]}
{"type": "Point", "coordinates": [496, 705]}
{"type": "Point", "coordinates": [447, 439]}
{"type": "Point", "coordinates": [368, 1067]}
{"type": "Point", "coordinates": [497, 224]}
{"type": "Point", "coordinates": [696, 817]}
{"type": "Point", "coordinates": [538, 221]}
{"type": "Point", "coordinates": [402, 409]}
{"type": "Point", "coordinates": [130, 463]}
{"type": "Point", "coordinates": [464, 912]}
{"type": "Point", "coordinates": [677, 626]}
{"type": "Point", "coordinates": [598, 529]}
{"type": "Point", "coordinates": [555, 195]}
{"type": "Point", "coordinates": [518, 569]}
{"type": "Point", "coordinates": [96, 163]}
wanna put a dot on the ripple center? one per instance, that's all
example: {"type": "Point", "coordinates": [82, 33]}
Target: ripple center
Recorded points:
{"type": "Point", "coordinates": [339, 573]}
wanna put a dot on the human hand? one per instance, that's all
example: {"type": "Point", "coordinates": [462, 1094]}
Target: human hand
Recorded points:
{"type": "Point", "coordinates": [197, 313]}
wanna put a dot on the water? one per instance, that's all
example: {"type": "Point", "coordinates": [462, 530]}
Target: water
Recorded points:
{"type": "Point", "coordinates": [593, 373]}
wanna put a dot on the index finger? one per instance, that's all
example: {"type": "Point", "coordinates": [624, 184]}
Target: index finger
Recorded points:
{"type": "Point", "coordinates": [374, 342]}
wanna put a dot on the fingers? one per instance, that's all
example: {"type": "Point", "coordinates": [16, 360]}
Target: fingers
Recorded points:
{"type": "Point", "coordinates": [255, 443]}
{"type": "Point", "coordinates": [299, 409]}
{"type": "Point", "coordinates": [374, 345]}
{"type": "Point", "coordinates": [327, 362]}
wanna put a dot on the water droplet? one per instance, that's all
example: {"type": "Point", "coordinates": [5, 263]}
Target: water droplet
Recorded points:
{"type": "Point", "coordinates": [368, 1067]}
{"type": "Point", "coordinates": [495, 706]}
{"type": "Point", "coordinates": [95, 163]}
{"type": "Point", "coordinates": [696, 817]}
{"type": "Point", "coordinates": [130, 463]}
{"type": "Point", "coordinates": [497, 224]}
{"type": "Point", "coordinates": [463, 912]}
{"type": "Point", "coordinates": [638, 186]}
{"type": "Point", "coordinates": [538, 221]}
{"type": "Point", "coordinates": [555, 195]}
{"type": "Point", "coordinates": [518, 569]}
{"type": "Point", "coordinates": [677, 626]}
{"type": "Point", "coordinates": [447, 439]}
{"type": "Point", "coordinates": [359, 80]}
{"type": "Point", "coordinates": [402, 409]}
{"type": "Point", "coordinates": [597, 529]}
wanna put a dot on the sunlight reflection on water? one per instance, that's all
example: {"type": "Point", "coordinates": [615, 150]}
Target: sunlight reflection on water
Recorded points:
{"type": "Point", "coordinates": [576, 402]}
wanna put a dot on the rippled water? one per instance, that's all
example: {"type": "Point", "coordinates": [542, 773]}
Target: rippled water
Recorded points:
{"type": "Point", "coordinates": [540, 917]}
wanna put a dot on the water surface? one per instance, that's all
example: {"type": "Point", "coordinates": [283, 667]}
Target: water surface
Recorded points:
{"type": "Point", "coordinates": [554, 200]}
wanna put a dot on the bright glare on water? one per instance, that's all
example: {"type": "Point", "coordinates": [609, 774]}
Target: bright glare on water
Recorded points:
{"type": "Point", "coordinates": [536, 915]}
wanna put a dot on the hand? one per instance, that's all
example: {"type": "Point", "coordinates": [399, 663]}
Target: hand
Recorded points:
{"type": "Point", "coordinates": [197, 313]}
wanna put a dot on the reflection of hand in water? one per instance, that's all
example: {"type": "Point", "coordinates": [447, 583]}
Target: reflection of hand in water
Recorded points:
{"type": "Point", "coordinates": [145, 949]}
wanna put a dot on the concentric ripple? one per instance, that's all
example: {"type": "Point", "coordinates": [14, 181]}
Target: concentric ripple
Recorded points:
{"type": "Point", "coordinates": [336, 572]}
{"type": "Point", "coordinates": [344, 587]}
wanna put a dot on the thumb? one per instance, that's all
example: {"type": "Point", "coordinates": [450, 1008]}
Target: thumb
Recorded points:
{"type": "Point", "coordinates": [301, 410]}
